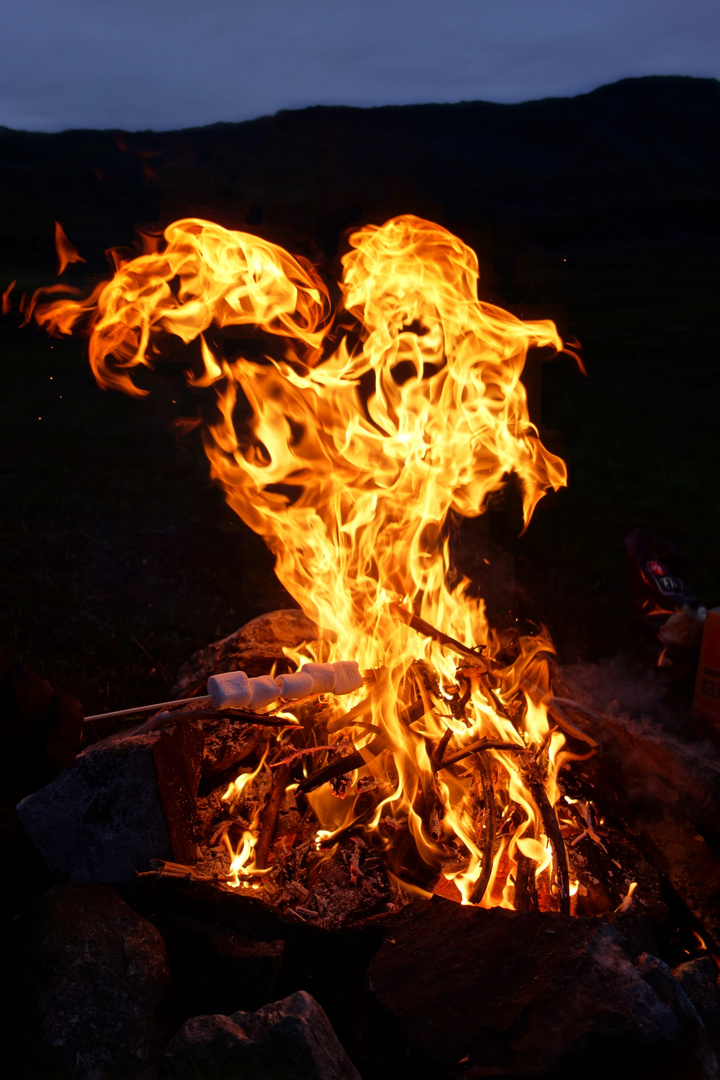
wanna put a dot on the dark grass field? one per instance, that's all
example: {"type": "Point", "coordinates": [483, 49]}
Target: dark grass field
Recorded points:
{"type": "Point", "coordinates": [117, 556]}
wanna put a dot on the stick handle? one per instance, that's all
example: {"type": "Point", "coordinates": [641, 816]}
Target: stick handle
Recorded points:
{"type": "Point", "coordinates": [147, 708]}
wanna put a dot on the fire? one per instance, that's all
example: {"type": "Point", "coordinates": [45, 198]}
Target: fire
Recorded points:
{"type": "Point", "coordinates": [66, 253]}
{"type": "Point", "coordinates": [348, 454]}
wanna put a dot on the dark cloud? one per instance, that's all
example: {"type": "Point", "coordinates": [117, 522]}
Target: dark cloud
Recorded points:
{"type": "Point", "coordinates": [174, 63]}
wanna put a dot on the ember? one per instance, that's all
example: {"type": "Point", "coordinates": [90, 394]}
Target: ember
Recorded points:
{"type": "Point", "coordinates": [348, 455]}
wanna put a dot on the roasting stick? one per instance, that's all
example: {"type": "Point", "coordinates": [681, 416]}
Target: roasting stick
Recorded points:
{"type": "Point", "coordinates": [234, 690]}
{"type": "Point", "coordinates": [148, 708]}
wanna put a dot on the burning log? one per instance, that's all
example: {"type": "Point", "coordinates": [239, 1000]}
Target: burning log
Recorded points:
{"type": "Point", "coordinates": [359, 758]}
{"type": "Point", "coordinates": [423, 627]}
{"type": "Point", "coordinates": [552, 830]}
{"type": "Point", "coordinates": [489, 822]}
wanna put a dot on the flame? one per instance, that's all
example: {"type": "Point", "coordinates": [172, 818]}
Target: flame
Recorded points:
{"type": "Point", "coordinates": [242, 859]}
{"type": "Point", "coordinates": [66, 253]}
{"type": "Point", "coordinates": [6, 303]}
{"type": "Point", "coordinates": [347, 453]}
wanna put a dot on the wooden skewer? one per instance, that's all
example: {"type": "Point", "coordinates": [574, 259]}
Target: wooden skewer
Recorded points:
{"type": "Point", "coordinates": [147, 708]}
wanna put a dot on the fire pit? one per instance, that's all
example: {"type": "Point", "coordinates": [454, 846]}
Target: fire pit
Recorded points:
{"type": "Point", "coordinates": [348, 455]}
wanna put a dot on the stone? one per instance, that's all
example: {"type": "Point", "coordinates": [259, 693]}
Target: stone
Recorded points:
{"type": "Point", "coordinates": [87, 990]}
{"type": "Point", "coordinates": [519, 994]}
{"type": "Point", "coordinates": [289, 1040]}
{"type": "Point", "coordinates": [216, 969]}
{"type": "Point", "coordinates": [254, 648]}
{"type": "Point", "coordinates": [330, 966]}
{"type": "Point", "coordinates": [690, 867]}
{"type": "Point", "coordinates": [699, 980]}
{"type": "Point", "coordinates": [105, 818]}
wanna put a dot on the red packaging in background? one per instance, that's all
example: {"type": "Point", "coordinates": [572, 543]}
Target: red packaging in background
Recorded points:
{"type": "Point", "coordinates": [706, 699]}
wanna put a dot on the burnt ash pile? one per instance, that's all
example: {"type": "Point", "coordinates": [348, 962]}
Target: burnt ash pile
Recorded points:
{"type": "Point", "coordinates": [329, 957]}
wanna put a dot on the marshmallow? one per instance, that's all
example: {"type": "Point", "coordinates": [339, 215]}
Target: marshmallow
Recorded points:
{"type": "Point", "coordinates": [233, 690]}
{"type": "Point", "coordinates": [322, 675]}
{"type": "Point", "coordinates": [347, 677]}
{"type": "Point", "coordinates": [295, 686]}
{"type": "Point", "coordinates": [230, 690]}
{"type": "Point", "coordinates": [264, 690]}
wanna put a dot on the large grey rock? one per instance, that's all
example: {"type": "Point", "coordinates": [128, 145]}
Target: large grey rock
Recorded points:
{"type": "Point", "coordinates": [103, 819]}
{"type": "Point", "coordinates": [523, 994]}
{"type": "Point", "coordinates": [87, 990]}
{"type": "Point", "coordinates": [288, 1040]}
{"type": "Point", "coordinates": [699, 980]}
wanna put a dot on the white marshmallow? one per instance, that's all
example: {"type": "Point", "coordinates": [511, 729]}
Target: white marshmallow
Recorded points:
{"type": "Point", "coordinates": [322, 675]}
{"type": "Point", "coordinates": [298, 685]}
{"type": "Point", "coordinates": [264, 690]}
{"type": "Point", "coordinates": [230, 690]}
{"type": "Point", "coordinates": [347, 677]}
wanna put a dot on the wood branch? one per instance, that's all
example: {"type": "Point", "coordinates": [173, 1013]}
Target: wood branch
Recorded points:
{"type": "Point", "coordinates": [482, 745]}
{"type": "Point", "coordinates": [552, 831]}
{"type": "Point", "coordinates": [495, 701]}
{"type": "Point", "coordinates": [361, 709]}
{"type": "Point", "coordinates": [359, 758]}
{"type": "Point", "coordinates": [439, 751]}
{"type": "Point", "coordinates": [422, 627]}
{"type": "Point", "coordinates": [570, 703]}
{"type": "Point", "coordinates": [488, 832]}
{"type": "Point", "coordinates": [164, 868]}
{"type": "Point", "coordinates": [459, 704]}
{"type": "Point", "coordinates": [248, 719]}
{"type": "Point", "coordinates": [557, 706]}
{"type": "Point", "coordinates": [269, 816]}
{"type": "Point", "coordinates": [525, 898]}
{"type": "Point", "coordinates": [297, 754]}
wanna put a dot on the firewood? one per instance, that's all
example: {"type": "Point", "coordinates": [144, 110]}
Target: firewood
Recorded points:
{"type": "Point", "coordinates": [422, 627]}
{"type": "Point", "coordinates": [359, 758]}
{"type": "Point", "coordinates": [268, 817]}
{"type": "Point", "coordinates": [489, 830]}
{"type": "Point", "coordinates": [239, 716]}
{"type": "Point", "coordinates": [479, 747]}
{"type": "Point", "coordinates": [552, 831]}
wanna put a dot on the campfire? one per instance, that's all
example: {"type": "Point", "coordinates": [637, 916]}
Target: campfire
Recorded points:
{"type": "Point", "coordinates": [352, 445]}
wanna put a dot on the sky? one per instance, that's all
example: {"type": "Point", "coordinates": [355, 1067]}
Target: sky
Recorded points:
{"type": "Point", "coordinates": [164, 64]}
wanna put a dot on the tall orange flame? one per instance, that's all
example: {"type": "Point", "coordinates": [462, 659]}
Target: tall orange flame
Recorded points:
{"type": "Point", "coordinates": [356, 447]}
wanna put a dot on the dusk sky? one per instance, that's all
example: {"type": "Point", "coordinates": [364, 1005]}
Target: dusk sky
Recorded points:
{"type": "Point", "coordinates": [175, 63]}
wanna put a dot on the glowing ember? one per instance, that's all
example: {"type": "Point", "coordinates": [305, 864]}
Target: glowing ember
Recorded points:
{"type": "Point", "coordinates": [347, 455]}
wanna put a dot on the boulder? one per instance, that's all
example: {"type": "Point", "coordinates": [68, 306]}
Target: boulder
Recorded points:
{"type": "Point", "coordinates": [87, 993]}
{"type": "Point", "coordinates": [521, 994]}
{"type": "Point", "coordinates": [125, 801]}
{"type": "Point", "coordinates": [288, 1040]}
{"type": "Point", "coordinates": [699, 980]}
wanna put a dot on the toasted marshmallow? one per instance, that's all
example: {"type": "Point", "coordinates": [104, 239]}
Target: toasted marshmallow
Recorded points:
{"type": "Point", "coordinates": [298, 685]}
{"type": "Point", "coordinates": [230, 690]}
{"type": "Point", "coordinates": [347, 677]}
{"type": "Point", "coordinates": [322, 675]}
{"type": "Point", "coordinates": [264, 690]}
